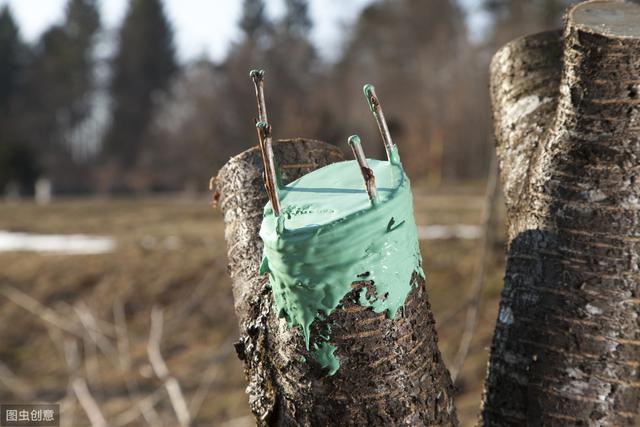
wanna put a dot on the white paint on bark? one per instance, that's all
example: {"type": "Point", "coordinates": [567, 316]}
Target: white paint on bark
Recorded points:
{"type": "Point", "coordinates": [71, 244]}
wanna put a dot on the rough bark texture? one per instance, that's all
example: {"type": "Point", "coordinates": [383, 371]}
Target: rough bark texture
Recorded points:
{"type": "Point", "coordinates": [391, 370]}
{"type": "Point", "coordinates": [566, 349]}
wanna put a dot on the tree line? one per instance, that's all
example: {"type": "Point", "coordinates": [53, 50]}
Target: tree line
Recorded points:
{"type": "Point", "coordinates": [95, 111]}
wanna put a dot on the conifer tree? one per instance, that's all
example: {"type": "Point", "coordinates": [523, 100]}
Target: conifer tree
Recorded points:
{"type": "Point", "coordinates": [11, 49]}
{"type": "Point", "coordinates": [142, 68]}
{"type": "Point", "coordinates": [17, 161]}
{"type": "Point", "coordinates": [296, 21]}
{"type": "Point", "coordinates": [60, 88]}
{"type": "Point", "coordinates": [253, 21]}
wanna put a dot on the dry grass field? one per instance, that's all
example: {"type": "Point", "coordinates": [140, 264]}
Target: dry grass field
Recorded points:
{"type": "Point", "coordinates": [170, 254]}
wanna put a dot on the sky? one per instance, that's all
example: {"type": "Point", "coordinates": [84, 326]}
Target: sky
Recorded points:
{"type": "Point", "coordinates": [207, 27]}
{"type": "Point", "coordinates": [201, 26]}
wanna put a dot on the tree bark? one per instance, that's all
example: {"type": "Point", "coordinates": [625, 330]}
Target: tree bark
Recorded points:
{"type": "Point", "coordinates": [566, 349]}
{"type": "Point", "coordinates": [391, 371]}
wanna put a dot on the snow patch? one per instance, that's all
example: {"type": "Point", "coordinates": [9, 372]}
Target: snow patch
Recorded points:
{"type": "Point", "coordinates": [455, 231]}
{"type": "Point", "coordinates": [70, 244]}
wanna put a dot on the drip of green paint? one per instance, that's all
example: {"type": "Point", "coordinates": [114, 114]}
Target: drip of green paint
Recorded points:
{"type": "Point", "coordinates": [324, 354]}
{"type": "Point", "coordinates": [329, 234]}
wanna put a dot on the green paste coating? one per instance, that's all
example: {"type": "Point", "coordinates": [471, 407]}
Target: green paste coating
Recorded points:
{"type": "Point", "coordinates": [329, 235]}
{"type": "Point", "coordinates": [324, 353]}
{"type": "Point", "coordinates": [367, 89]}
{"type": "Point", "coordinates": [256, 73]}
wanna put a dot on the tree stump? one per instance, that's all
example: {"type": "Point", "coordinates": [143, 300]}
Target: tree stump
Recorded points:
{"type": "Point", "coordinates": [391, 370]}
{"type": "Point", "coordinates": [566, 349]}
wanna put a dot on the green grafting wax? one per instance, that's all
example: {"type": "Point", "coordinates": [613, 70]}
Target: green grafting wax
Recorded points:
{"type": "Point", "coordinates": [324, 355]}
{"type": "Point", "coordinates": [329, 235]}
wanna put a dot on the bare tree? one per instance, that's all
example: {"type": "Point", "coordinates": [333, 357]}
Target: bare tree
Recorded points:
{"type": "Point", "coordinates": [567, 115]}
{"type": "Point", "coordinates": [176, 397]}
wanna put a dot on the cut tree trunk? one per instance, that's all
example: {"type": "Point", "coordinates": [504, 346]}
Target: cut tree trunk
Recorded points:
{"type": "Point", "coordinates": [391, 371]}
{"type": "Point", "coordinates": [566, 349]}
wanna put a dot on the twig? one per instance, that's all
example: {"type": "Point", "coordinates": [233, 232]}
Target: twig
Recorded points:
{"type": "Point", "coordinates": [162, 372]}
{"type": "Point", "coordinates": [92, 366]}
{"type": "Point", "coordinates": [238, 422]}
{"type": "Point", "coordinates": [124, 357]}
{"type": "Point", "coordinates": [258, 81]}
{"type": "Point", "coordinates": [132, 414]}
{"type": "Point", "coordinates": [14, 384]}
{"type": "Point", "coordinates": [367, 173]}
{"type": "Point", "coordinates": [194, 300]}
{"type": "Point", "coordinates": [270, 178]}
{"type": "Point", "coordinates": [79, 386]}
{"type": "Point", "coordinates": [212, 373]}
{"type": "Point", "coordinates": [36, 308]}
{"type": "Point", "coordinates": [264, 137]}
{"type": "Point", "coordinates": [68, 403]}
{"type": "Point", "coordinates": [94, 332]}
{"type": "Point", "coordinates": [68, 407]}
{"type": "Point", "coordinates": [452, 312]}
{"type": "Point", "coordinates": [480, 270]}
{"type": "Point", "coordinates": [375, 107]}
{"type": "Point", "coordinates": [104, 328]}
